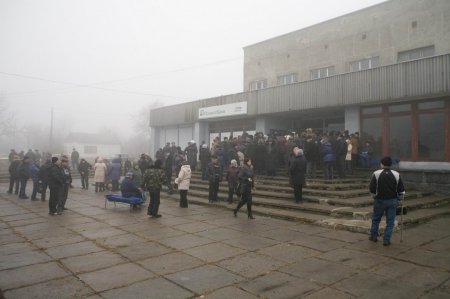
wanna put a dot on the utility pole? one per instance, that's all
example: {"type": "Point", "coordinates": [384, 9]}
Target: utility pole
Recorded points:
{"type": "Point", "coordinates": [51, 132]}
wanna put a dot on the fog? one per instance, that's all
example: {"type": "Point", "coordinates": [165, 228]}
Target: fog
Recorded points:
{"type": "Point", "coordinates": [99, 64]}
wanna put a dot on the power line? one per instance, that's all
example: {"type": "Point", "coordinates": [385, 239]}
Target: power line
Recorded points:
{"type": "Point", "coordinates": [92, 85]}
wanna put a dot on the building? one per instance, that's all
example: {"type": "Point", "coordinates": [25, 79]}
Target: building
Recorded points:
{"type": "Point", "coordinates": [383, 71]}
{"type": "Point", "coordinates": [91, 146]}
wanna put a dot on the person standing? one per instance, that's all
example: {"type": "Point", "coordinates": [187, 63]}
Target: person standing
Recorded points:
{"type": "Point", "coordinates": [205, 158]}
{"type": "Point", "coordinates": [35, 169]}
{"type": "Point", "coordinates": [214, 175]}
{"type": "Point", "coordinates": [297, 170]}
{"type": "Point", "coordinates": [24, 176]}
{"type": "Point", "coordinates": [387, 189]}
{"type": "Point", "coordinates": [84, 169]}
{"type": "Point", "coordinates": [154, 179]}
{"type": "Point", "coordinates": [67, 180]}
{"type": "Point", "coordinates": [247, 185]}
{"type": "Point", "coordinates": [191, 154]}
{"type": "Point", "coordinates": [99, 175]}
{"type": "Point", "coordinates": [14, 181]}
{"type": "Point", "coordinates": [328, 157]}
{"type": "Point", "coordinates": [183, 181]}
{"type": "Point", "coordinates": [341, 152]}
{"type": "Point", "coordinates": [348, 158]}
{"type": "Point", "coordinates": [312, 155]}
{"type": "Point", "coordinates": [232, 179]}
{"type": "Point", "coordinates": [43, 177]}
{"type": "Point", "coordinates": [55, 183]}
{"type": "Point", "coordinates": [168, 169]}
{"type": "Point", "coordinates": [75, 156]}
{"type": "Point", "coordinates": [114, 174]}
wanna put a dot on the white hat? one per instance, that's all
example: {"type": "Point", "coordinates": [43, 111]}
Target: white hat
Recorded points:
{"type": "Point", "coordinates": [192, 141]}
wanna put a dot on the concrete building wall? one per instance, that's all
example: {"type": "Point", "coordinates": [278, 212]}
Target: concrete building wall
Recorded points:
{"type": "Point", "coordinates": [382, 30]}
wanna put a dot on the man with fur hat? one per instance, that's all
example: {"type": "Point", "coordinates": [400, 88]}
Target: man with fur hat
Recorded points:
{"type": "Point", "coordinates": [386, 187]}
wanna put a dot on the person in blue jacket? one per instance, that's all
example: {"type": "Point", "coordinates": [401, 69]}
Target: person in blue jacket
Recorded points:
{"type": "Point", "coordinates": [35, 167]}
{"type": "Point", "coordinates": [129, 189]}
{"type": "Point", "coordinates": [114, 174]}
{"type": "Point", "coordinates": [328, 158]}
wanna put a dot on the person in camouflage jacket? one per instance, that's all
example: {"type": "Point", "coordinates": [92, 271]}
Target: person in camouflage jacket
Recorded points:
{"type": "Point", "coordinates": [154, 179]}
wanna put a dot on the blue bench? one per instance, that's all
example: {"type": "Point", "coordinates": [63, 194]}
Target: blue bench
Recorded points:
{"type": "Point", "coordinates": [132, 201]}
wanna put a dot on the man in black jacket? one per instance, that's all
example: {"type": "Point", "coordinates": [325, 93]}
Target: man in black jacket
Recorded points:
{"type": "Point", "coordinates": [386, 187]}
{"type": "Point", "coordinates": [43, 177]}
{"type": "Point", "coordinates": [24, 176]}
{"type": "Point", "coordinates": [14, 175]}
{"type": "Point", "coordinates": [67, 181]}
{"type": "Point", "coordinates": [297, 170]}
{"type": "Point", "coordinates": [55, 182]}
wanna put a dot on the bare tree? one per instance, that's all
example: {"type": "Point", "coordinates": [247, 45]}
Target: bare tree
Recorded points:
{"type": "Point", "coordinates": [6, 118]}
{"type": "Point", "coordinates": [139, 141]}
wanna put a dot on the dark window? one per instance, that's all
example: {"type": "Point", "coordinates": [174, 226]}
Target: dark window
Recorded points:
{"type": "Point", "coordinates": [400, 108]}
{"type": "Point", "coordinates": [400, 137]}
{"type": "Point", "coordinates": [371, 131]}
{"type": "Point", "coordinates": [432, 136]}
{"type": "Point", "coordinates": [431, 105]}
{"type": "Point", "coordinates": [372, 110]}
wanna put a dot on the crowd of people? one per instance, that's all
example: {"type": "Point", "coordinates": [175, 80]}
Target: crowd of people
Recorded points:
{"type": "Point", "coordinates": [232, 158]}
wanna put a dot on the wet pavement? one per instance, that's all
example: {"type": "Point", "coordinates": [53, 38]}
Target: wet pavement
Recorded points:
{"type": "Point", "coordinates": [205, 252]}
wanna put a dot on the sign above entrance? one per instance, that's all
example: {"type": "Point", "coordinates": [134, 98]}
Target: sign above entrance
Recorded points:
{"type": "Point", "coordinates": [223, 110]}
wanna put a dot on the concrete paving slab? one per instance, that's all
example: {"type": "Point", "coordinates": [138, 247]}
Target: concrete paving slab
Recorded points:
{"type": "Point", "coordinates": [115, 277]}
{"type": "Point", "coordinates": [142, 251]}
{"type": "Point", "coordinates": [28, 275]}
{"type": "Point", "coordinates": [282, 234]}
{"type": "Point", "coordinates": [214, 252]}
{"type": "Point", "coordinates": [101, 233]}
{"type": "Point", "coordinates": [151, 288]}
{"type": "Point", "coordinates": [420, 256]}
{"type": "Point", "coordinates": [120, 241]}
{"type": "Point", "coordinates": [75, 249]}
{"type": "Point", "coordinates": [93, 261]}
{"type": "Point", "coordinates": [229, 292]}
{"type": "Point", "coordinates": [355, 259]}
{"type": "Point", "coordinates": [19, 217]}
{"type": "Point", "coordinates": [278, 285]}
{"type": "Point", "coordinates": [171, 263]}
{"type": "Point", "coordinates": [185, 241]}
{"type": "Point", "coordinates": [442, 245]}
{"type": "Point", "coordinates": [319, 243]}
{"type": "Point", "coordinates": [16, 248]}
{"type": "Point", "coordinates": [69, 287]}
{"type": "Point", "coordinates": [195, 227]}
{"type": "Point", "coordinates": [22, 259]}
{"type": "Point", "coordinates": [204, 279]}
{"type": "Point", "coordinates": [288, 252]}
{"type": "Point", "coordinates": [345, 236]}
{"type": "Point", "coordinates": [329, 293]}
{"type": "Point", "coordinates": [368, 285]}
{"type": "Point", "coordinates": [29, 221]}
{"type": "Point", "coordinates": [251, 264]}
{"type": "Point", "coordinates": [158, 233]}
{"type": "Point", "coordinates": [54, 241]}
{"type": "Point", "coordinates": [251, 242]}
{"type": "Point", "coordinates": [323, 272]}
{"type": "Point", "coordinates": [221, 234]}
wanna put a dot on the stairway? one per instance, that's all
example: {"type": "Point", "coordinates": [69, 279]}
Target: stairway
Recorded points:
{"type": "Point", "coordinates": [341, 203]}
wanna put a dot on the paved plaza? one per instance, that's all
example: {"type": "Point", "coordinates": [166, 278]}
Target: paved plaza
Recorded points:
{"type": "Point", "coordinates": [204, 252]}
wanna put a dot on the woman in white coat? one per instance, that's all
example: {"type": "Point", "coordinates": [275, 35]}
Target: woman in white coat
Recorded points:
{"type": "Point", "coordinates": [99, 175]}
{"type": "Point", "coordinates": [183, 181]}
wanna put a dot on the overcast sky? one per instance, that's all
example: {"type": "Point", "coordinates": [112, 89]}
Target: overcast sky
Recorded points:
{"type": "Point", "coordinates": [96, 62]}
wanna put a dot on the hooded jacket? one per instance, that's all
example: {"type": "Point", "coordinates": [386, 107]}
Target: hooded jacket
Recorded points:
{"type": "Point", "coordinates": [184, 177]}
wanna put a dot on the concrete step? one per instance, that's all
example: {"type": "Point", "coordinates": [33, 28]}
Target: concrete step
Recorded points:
{"type": "Point", "coordinates": [357, 225]}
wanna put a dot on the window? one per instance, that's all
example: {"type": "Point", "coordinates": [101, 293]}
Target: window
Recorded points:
{"type": "Point", "coordinates": [415, 53]}
{"type": "Point", "coordinates": [431, 105]}
{"type": "Point", "coordinates": [364, 64]}
{"type": "Point", "coordinates": [287, 79]}
{"type": "Point", "coordinates": [372, 110]}
{"type": "Point", "coordinates": [371, 131]}
{"type": "Point", "coordinates": [322, 72]}
{"type": "Point", "coordinates": [400, 108]}
{"type": "Point", "coordinates": [400, 137]}
{"type": "Point", "coordinates": [256, 85]}
{"type": "Point", "coordinates": [432, 136]}
{"type": "Point", "coordinates": [90, 149]}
